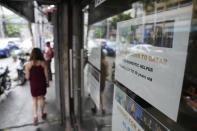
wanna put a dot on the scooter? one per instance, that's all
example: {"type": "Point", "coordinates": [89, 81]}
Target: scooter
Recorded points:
{"type": "Point", "coordinates": [21, 71]}
{"type": "Point", "coordinates": [5, 81]}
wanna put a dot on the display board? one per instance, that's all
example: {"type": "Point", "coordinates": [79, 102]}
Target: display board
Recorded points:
{"type": "Point", "coordinates": [94, 85]}
{"type": "Point", "coordinates": [151, 57]}
{"type": "Point", "coordinates": [94, 53]}
{"type": "Point", "coordinates": [129, 116]}
{"type": "Point", "coordinates": [86, 75]}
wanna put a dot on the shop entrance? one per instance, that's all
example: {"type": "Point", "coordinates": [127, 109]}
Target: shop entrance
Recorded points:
{"type": "Point", "coordinates": [128, 48]}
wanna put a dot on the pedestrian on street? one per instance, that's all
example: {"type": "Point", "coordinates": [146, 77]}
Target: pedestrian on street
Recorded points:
{"type": "Point", "coordinates": [48, 56]}
{"type": "Point", "coordinates": [36, 73]}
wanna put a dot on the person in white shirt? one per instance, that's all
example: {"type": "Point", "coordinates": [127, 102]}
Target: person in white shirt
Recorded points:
{"type": "Point", "coordinates": [48, 56]}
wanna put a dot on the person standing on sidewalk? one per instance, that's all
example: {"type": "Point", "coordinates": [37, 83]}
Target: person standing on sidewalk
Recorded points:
{"type": "Point", "coordinates": [48, 56]}
{"type": "Point", "coordinates": [36, 73]}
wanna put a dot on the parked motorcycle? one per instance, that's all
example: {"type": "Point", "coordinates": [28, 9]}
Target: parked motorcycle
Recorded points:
{"type": "Point", "coordinates": [21, 71]}
{"type": "Point", "coordinates": [5, 81]}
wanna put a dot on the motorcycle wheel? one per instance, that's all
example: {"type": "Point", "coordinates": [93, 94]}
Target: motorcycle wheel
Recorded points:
{"type": "Point", "coordinates": [1, 90]}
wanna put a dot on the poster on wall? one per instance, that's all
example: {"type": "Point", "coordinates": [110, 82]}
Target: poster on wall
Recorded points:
{"type": "Point", "coordinates": [94, 85]}
{"type": "Point", "coordinates": [151, 57]}
{"type": "Point", "coordinates": [129, 116]}
{"type": "Point", "coordinates": [94, 53]}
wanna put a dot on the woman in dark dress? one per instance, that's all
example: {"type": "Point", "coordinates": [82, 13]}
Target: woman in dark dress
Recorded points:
{"type": "Point", "coordinates": [104, 74]}
{"type": "Point", "coordinates": [36, 73]}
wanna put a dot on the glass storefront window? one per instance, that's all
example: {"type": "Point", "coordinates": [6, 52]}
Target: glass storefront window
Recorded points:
{"type": "Point", "coordinates": [149, 68]}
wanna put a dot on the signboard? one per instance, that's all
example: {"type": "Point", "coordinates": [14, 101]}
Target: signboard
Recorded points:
{"type": "Point", "coordinates": [94, 85]}
{"type": "Point", "coordinates": [94, 53]}
{"type": "Point", "coordinates": [99, 2]}
{"type": "Point", "coordinates": [129, 116]}
{"type": "Point", "coordinates": [151, 56]}
{"type": "Point", "coordinates": [86, 75]}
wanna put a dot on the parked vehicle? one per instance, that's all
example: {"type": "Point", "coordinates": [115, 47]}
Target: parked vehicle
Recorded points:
{"type": "Point", "coordinates": [6, 47]}
{"type": "Point", "coordinates": [5, 81]}
{"type": "Point", "coordinates": [21, 70]}
{"type": "Point", "coordinates": [109, 47]}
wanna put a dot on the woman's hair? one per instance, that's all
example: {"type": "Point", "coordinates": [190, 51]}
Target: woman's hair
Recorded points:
{"type": "Point", "coordinates": [36, 55]}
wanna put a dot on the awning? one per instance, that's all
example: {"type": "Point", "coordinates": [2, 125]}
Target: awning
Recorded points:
{"type": "Point", "coordinates": [25, 8]}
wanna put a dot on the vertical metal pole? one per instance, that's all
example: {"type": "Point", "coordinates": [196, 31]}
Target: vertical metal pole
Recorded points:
{"type": "Point", "coordinates": [108, 24]}
{"type": "Point", "coordinates": [71, 72]}
{"type": "Point", "coordinates": [2, 22]}
{"type": "Point", "coordinates": [82, 84]}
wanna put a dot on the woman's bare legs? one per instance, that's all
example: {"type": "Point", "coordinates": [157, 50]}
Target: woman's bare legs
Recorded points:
{"type": "Point", "coordinates": [35, 103]}
{"type": "Point", "coordinates": [102, 101]}
{"type": "Point", "coordinates": [42, 104]}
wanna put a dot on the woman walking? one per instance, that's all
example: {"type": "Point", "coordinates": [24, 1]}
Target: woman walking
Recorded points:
{"type": "Point", "coordinates": [36, 73]}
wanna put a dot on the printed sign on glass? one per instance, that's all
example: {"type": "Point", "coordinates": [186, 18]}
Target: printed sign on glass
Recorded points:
{"type": "Point", "coordinates": [151, 57]}
{"type": "Point", "coordinates": [94, 85]}
{"type": "Point", "coordinates": [129, 116]}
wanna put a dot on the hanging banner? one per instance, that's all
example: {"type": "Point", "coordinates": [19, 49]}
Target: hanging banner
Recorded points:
{"type": "Point", "coordinates": [151, 57]}
{"type": "Point", "coordinates": [94, 85]}
{"type": "Point", "coordinates": [129, 116]}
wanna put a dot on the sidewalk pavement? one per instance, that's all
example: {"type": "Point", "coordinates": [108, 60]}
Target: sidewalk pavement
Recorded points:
{"type": "Point", "coordinates": [16, 113]}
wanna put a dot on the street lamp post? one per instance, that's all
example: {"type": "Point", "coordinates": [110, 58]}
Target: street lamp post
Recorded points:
{"type": "Point", "coordinates": [2, 22]}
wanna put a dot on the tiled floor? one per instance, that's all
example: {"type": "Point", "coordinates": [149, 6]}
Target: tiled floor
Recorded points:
{"type": "Point", "coordinates": [98, 122]}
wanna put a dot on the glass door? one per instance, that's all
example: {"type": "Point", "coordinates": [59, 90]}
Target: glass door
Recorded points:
{"type": "Point", "coordinates": [139, 69]}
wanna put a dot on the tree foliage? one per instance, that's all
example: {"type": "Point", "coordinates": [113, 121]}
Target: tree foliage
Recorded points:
{"type": "Point", "coordinates": [121, 17]}
{"type": "Point", "coordinates": [12, 29]}
{"type": "Point", "coordinates": [99, 30]}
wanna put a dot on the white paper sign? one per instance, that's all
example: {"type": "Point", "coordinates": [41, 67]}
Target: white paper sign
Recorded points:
{"type": "Point", "coordinates": [86, 77]}
{"type": "Point", "coordinates": [94, 53]}
{"type": "Point", "coordinates": [151, 57]}
{"type": "Point", "coordinates": [94, 85]}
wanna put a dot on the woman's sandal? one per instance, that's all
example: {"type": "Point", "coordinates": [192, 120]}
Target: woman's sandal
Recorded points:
{"type": "Point", "coordinates": [44, 116]}
{"type": "Point", "coordinates": [35, 121]}
{"type": "Point", "coordinates": [103, 111]}
{"type": "Point", "coordinates": [94, 110]}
